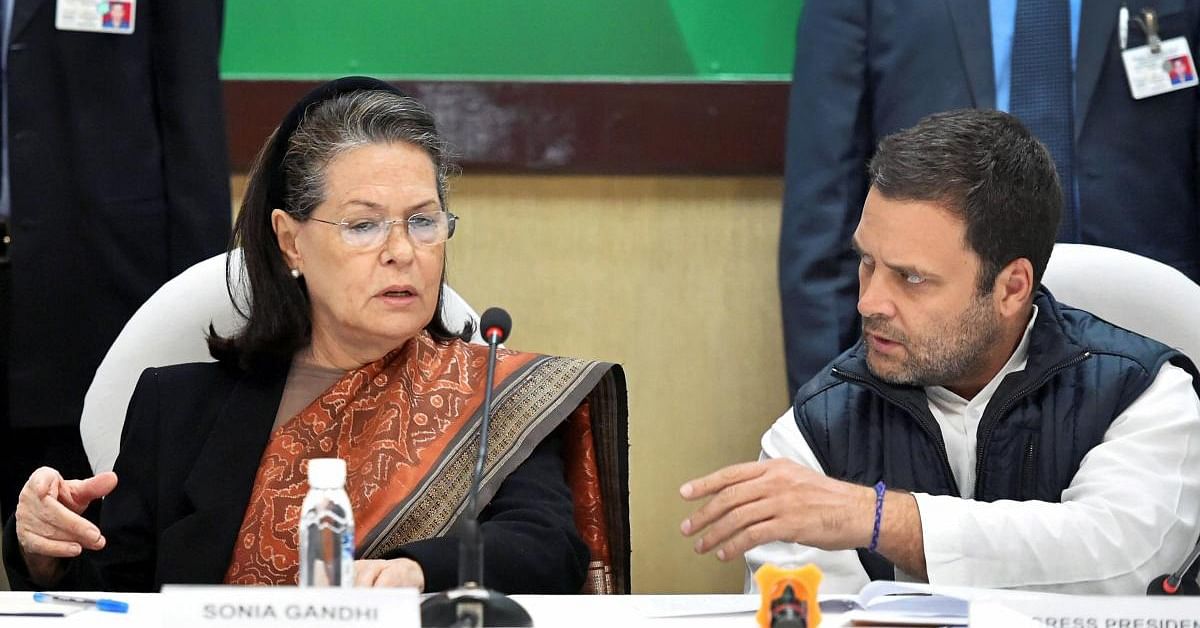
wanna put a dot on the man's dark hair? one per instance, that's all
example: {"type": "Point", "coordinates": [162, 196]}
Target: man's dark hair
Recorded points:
{"type": "Point", "coordinates": [986, 168]}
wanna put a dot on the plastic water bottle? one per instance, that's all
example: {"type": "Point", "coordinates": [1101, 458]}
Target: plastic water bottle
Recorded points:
{"type": "Point", "coordinates": [326, 527]}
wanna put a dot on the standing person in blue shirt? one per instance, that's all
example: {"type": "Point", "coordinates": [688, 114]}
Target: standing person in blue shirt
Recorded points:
{"type": "Point", "coordinates": [867, 68]}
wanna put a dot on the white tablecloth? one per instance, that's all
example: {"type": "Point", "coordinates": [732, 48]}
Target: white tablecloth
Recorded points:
{"type": "Point", "coordinates": [618, 611]}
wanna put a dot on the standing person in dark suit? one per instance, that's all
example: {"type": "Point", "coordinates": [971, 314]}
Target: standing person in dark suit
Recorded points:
{"type": "Point", "coordinates": [116, 179]}
{"type": "Point", "coordinates": [867, 68]}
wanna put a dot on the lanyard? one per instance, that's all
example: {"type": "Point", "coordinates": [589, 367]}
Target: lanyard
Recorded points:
{"type": "Point", "coordinates": [1147, 21]}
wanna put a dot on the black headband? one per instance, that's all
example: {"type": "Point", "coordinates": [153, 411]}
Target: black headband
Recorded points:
{"type": "Point", "coordinates": [273, 157]}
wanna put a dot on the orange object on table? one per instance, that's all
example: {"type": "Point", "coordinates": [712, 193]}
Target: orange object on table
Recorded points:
{"type": "Point", "coordinates": [789, 596]}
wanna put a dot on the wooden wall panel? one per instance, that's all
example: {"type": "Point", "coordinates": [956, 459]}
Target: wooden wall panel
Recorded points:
{"type": "Point", "coordinates": [566, 127]}
{"type": "Point", "coordinates": [672, 277]}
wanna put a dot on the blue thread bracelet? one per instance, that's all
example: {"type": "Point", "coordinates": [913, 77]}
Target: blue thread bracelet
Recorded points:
{"type": "Point", "coordinates": [880, 489]}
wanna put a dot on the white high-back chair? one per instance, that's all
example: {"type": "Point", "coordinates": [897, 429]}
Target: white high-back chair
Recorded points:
{"type": "Point", "coordinates": [1134, 292]}
{"type": "Point", "coordinates": [170, 328]}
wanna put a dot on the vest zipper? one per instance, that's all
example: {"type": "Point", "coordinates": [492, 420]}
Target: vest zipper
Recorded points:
{"type": "Point", "coordinates": [989, 425]}
{"type": "Point", "coordinates": [930, 428]}
{"type": "Point", "coordinates": [1028, 469]}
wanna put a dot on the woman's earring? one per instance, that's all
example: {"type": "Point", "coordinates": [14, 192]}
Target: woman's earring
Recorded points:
{"type": "Point", "coordinates": [295, 273]}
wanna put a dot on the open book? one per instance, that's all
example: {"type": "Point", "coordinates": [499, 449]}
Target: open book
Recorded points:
{"type": "Point", "coordinates": [898, 604]}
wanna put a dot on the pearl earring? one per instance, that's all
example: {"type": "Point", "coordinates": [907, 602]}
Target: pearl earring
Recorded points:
{"type": "Point", "coordinates": [295, 273]}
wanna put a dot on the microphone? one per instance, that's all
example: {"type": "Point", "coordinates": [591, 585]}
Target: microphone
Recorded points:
{"type": "Point", "coordinates": [470, 604]}
{"type": "Point", "coordinates": [1174, 583]}
{"type": "Point", "coordinates": [496, 325]}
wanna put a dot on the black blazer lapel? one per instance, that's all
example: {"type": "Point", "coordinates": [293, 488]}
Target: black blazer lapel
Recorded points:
{"type": "Point", "coordinates": [197, 548]}
{"type": "Point", "coordinates": [22, 13]}
{"type": "Point", "coordinates": [972, 24]}
{"type": "Point", "coordinates": [1097, 33]}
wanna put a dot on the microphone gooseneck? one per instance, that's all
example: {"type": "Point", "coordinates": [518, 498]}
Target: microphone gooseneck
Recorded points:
{"type": "Point", "coordinates": [496, 324]}
{"type": "Point", "coordinates": [470, 604]}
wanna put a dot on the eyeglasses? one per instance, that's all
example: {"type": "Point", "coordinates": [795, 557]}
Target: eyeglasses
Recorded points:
{"type": "Point", "coordinates": [365, 232]}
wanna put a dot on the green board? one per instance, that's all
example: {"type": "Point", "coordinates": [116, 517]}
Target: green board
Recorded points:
{"type": "Point", "coordinates": [707, 40]}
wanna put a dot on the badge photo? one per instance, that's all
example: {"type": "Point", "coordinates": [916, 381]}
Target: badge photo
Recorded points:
{"type": "Point", "coordinates": [1179, 69]}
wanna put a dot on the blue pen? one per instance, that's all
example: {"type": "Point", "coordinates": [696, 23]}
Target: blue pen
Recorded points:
{"type": "Point", "coordinates": [101, 604]}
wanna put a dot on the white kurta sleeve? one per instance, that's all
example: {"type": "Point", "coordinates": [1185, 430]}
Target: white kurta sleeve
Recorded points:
{"type": "Point", "coordinates": [1129, 515]}
{"type": "Point", "coordinates": [843, 573]}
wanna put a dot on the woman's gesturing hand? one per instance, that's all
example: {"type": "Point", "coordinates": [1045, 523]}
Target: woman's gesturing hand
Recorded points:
{"type": "Point", "coordinates": [49, 522]}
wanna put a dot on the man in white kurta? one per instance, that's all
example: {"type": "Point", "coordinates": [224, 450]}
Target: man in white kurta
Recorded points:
{"type": "Point", "coordinates": [955, 234]}
{"type": "Point", "coordinates": [1117, 528]}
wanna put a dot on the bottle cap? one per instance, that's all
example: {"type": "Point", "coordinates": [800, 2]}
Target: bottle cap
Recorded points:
{"type": "Point", "coordinates": [326, 473]}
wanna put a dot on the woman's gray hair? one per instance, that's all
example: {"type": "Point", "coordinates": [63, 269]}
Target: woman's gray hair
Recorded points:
{"type": "Point", "coordinates": [360, 118]}
{"type": "Point", "coordinates": [289, 174]}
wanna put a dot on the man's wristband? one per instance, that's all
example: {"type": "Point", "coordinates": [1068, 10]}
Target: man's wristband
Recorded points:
{"type": "Point", "coordinates": [880, 490]}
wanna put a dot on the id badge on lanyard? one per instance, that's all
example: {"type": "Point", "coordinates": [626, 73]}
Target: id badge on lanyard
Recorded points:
{"type": "Point", "coordinates": [118, 17]}
{"type": "Point", "coordinates": [1159, 67]}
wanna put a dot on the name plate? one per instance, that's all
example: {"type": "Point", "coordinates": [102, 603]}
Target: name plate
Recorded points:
{"type": "Point", "coordinates": [1093, 611]}
{"type": "Point", "coordinates": [213, 606]}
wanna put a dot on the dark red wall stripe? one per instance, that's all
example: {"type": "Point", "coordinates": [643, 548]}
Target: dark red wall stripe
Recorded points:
{"type": "Point", "coordinates": [694, 128]}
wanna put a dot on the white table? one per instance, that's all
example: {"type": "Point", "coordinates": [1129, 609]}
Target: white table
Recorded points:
{"type": "Point", "coordinates": [616, 611]}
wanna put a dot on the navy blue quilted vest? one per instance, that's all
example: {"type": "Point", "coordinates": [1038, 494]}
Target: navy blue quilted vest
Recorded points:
{"type": "Point", "coordinates": [1082, 372]}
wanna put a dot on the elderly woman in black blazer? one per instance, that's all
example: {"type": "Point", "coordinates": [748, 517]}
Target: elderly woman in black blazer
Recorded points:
{"type": "Point", "coordinates": [344, 355]}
